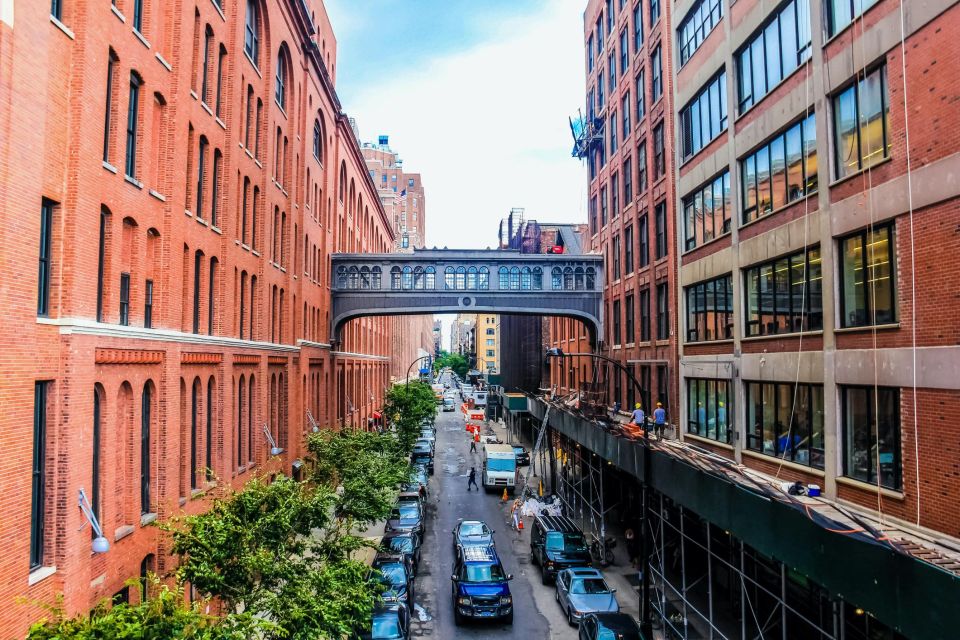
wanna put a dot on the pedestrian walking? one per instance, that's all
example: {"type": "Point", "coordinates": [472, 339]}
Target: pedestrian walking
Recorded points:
{"type": "Point", "coordinates": [515, 514]}
{"type": "Point", "coordinates": [633, 546]}
{"type": "Point", "coordinates": [474, 441]}
{"type": "Point", "coordinates": [659, 419]}
{"type": "Point", "coordinates": [473, 479]}
{"type": "Point", "coordinates": [638, 415]}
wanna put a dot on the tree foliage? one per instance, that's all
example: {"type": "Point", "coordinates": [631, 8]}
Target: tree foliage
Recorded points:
{"type": "Point", "coordinates": [455, 361]}
{"type": "Point", "coordinates": [408, 405]}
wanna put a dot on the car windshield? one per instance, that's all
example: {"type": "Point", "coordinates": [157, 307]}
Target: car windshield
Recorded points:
{"type": "Point", "coordinates": [403, 544]}
{"type": "Point", "coordinates": [519, 450]}
{"type": "Point", "coordinates": [393, 573]}
{"type": "Point", "coordinates": [407, 511]}
{"type": "Point", "coordinates": [501, 464]}
{"type": "Point", "coordinates": [565, 542]}
{"type": "Point", "coordinates": [386, 626]}
{"type": "Point", "coordinates": [589, 586]}
{"type": "Point", "coordinates": [619, 633]}
{"type": "Point", "coordinates": [484, 572]}
{"type": "Point", "coordinates": [474, 529]}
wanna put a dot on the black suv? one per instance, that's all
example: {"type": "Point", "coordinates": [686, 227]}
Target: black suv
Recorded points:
{"type": "Point", "coordinates": [423, 455]}
{"type": "Point", "coordinates": [556, 543]}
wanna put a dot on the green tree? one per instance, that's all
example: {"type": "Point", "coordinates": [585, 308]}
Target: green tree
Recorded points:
{"type": "Point", "coordinates": [408, 405]}
{"type": "Point", "coordinates": [455, 361]}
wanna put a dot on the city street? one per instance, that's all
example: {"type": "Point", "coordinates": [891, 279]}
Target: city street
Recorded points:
{"type": "Point", "coordinates": [537, 615]}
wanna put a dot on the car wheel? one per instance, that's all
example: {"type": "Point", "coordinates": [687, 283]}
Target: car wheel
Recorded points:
{"type": "Point", "coordinates": [457, 618]}
{"type": "Point", "coordinates": [544, 578]}
{"type": "Point", "coordinates": [556, 596]}
{"type": "Point", "coordinates": [509, 618]}
{"type": "Point", "coordinates": [570, 620]}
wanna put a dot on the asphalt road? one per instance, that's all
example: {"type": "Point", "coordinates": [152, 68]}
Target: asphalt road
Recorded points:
{"type": "Point", "coordinates": [536, 614]}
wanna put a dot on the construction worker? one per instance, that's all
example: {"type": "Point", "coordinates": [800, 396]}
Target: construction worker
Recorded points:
{"type": "Point", "coordinates": [659, 419]}
{"type": "Point", "coordinates": [474, 441]}
{"type": "Point", "coordinates": [473, 479]}
{"type": "Point", "coordinates": [638, 415]}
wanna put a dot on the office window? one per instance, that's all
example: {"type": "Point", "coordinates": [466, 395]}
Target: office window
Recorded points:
{"type": "Point", "coordinates": [95, 460]}
{"type": "Point", "coordinates": [710, 310]}
{"type": "Point", "coordinates": [138, 15]}
{"type": "Point", "coordinates": [643, 232]}
{"type": "Point", "coordinates": [38, 491]}
{"type": "Point", "coordinates": [625, 110]}
{"type": "Point", "coordinates": [624, 52]}
{"type": "Point", "coordinates": [659, 157]}
{"type": "Point", "coordinates": [491, 353]}
{"type": "Point", "coordinates": [782, 171]}
{"type": "Point", "coordinates": [280, 81]}
{"type": "Point", "coordinates": [663, 387]}
{"type": "Point", "coordinates": [145, 425]}
{"type": "Point", "coordinates": [590, 57]}
{"type": "Point", "coordinates": [611, 74]}
{"type": "Point", "coordinates": [201, 169]}
{"type": "Point", "coordinates": [599, 31]}
{"type": "Point", "coordinates": [656, 74]}
{"type": "Point", "coordinates": [148, 304]}
{"type": "Point", "coordinates": [593, 215]}
{"type": "Point", "coordinates": [707, 409]}
{"type": "Point", "coordinates": [786, 420]}
{"type": "Point", "coordinates": [615, 250]}
{"type": "Point", "coordinates": [108, 107]}
{"type": "Point", "coordinates": [644, 304]}
{"type": "Point", "coordinates": [251, 36]}
{"type": "Point", "coordinates": [46, 250]}
{"type": "Point", "coordinates": [641, 90]}
{"type": "Point", "coordinates": [205, 68]}
{"type": "Point", "coordinates": [610, 16]}
{"type": "Point", "coordinates": [614, 196]}
{"type": "Point", "coordinates": [211, 295]}
{"type": "Point", "coordinates": [697, 25]}
{"type": "Point", "coordinates": [600, 90]}
{"type": "Point", "coordinates": [840, 13]}
{"type": "Point", "coordinates": [706, 213]}
{"type": "Point", "coordinates": [56, 9]}
{"type": "Point", "coordinates": [125, 299]}
{"type": "Point", "coordinates": [132, 115]}
{"type": "Point", "coordinates": [218, 106]}
{"type": "Point", "coordinates": [637, 28]}
{"type": "Point", "coordinates": [215, 189]}
{"type": "Point", "coordinates": [642, 167]}
{"type": "Point", "coordinates": [628, 250]}
{"type": "Point", "coordinates": [197, 265]}
{"type": "Point", "coordinates": [785, 295]}
{"type": "Point", "coordinates": [627, 182]}
{"type": "Point", "coordinates": [654, 11]}
{"type": "Point", "coordinates": [616, 322]}
{"type": "Point", "coordinates": [868, 278]}
{"type": "Point", "coordinates": [628, 319]}
{"type": "Point", "coordinates": [603, 206]}
{"type": "Point", "coordinates": [871, 435]}
{"type": "Point", "coordinates": [705, 117]}
{"type": "Point", "coordinates": [101, 255]}
{"type": "Point", "coordinates": [613, 133]}
{"type": "Point", "coordinates": [663, 313]}
{"type": "Point", "coordinates": [660, 229]}
{"type": "Point", "coordinates": [194, 418]}
{"type": "Point", "coordinates": [861, 123]}
{"type": "Point", "coordinates": [773, 53]}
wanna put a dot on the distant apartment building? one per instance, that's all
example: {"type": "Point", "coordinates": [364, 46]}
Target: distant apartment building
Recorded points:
{"type": "Point", "coordinates": [488, 342]}
{"type": "Point", "coordinates": [437, 336]}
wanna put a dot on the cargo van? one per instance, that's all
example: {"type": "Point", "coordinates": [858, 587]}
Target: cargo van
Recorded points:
{"type": "Point", "coordinates": [499, 467]}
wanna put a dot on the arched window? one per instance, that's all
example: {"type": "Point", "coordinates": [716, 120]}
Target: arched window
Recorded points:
{"type": "Point", "coordinates": [353, 278]}
{"type": "Point", "coordinates": [407, 278]}
{"type": "Point", "coordinates": [194, 431]}
{"type": "Point", "coordinates": [343, 180]}
{"type": "Point", "coordinates": [375, 277]}
{"type": "Point", "coordinates": [461, 278]}
{"type": "Point", "coordinates": [365, 277]}
{"type": "Point", "coordinates": [251, 38]}
{"type": "Point", "coordinates": [484, 278]}
{"type": "Point", "coordinates": [279, 89]}
{"type": "Point", "coordinates": [472, 278]}
{"type": "Point", "coordinates": [556, 277]}
{"type": "Point", "coordinates": [395, 278]}
{"type": "Point", "coordinates": [418, 278]}
{"type": "Point", "coordinates": [526, 281]}
{"type": "Point", "coordinates": [145, 424]}
{"type": "Point", "coordinates": [317, 141]}
{"type": "Point", "coordinates": [578, 278]}
{"type": "Point", "coordinates": [515, 278]}
{"type": "Point", "coordinates": [591, 279]}
{"type": "Point", "coordinates": [341, 277]}
{"type": "Point", "coordinates": [568, 282]}
{"type": "Point", "coordinates": [209, 434]}
{"type": "Point", "coordinates": [431, 279]}
{"type": "Point", "coordinates": [448, 277]}
{"type": "Point", "coordinates": [504, 278]}
{"type": "Point", "coordinates": [537, 278]}
{"type": "Point", "coordinates": [241, 389]}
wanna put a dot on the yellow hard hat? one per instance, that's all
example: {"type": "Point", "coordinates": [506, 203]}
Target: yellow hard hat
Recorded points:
{"type": "Point", "coordinates": [636, 406]}
{"type": "Point", "coordinates": [659, 405]}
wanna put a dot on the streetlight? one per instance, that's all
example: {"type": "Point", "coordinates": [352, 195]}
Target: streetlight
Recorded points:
{"type": "Point", "coordinates": [411, 367]}
{"type": "Point", "coordinates": [645, 622]}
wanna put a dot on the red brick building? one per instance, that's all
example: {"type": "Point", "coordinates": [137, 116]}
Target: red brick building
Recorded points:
{"type": "Point", "coordinates": [173, 179]}
{"type": "Point", "coordinates": [629, 95]}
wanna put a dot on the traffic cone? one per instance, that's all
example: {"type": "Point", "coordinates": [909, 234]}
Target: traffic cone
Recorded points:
{"type": "Point", "coordinates": [540, 490]}
{"type": "Point", "coordinates": [504, 498]}
{"type": "Point", "coordinates": [520, 524]}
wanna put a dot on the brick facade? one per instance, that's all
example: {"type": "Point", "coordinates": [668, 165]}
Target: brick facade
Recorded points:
{"type": "Point", "coordinates": [230, 262]}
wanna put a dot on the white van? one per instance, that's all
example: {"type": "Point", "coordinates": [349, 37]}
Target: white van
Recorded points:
{"type": "Point", "coordinates": [499, 467]}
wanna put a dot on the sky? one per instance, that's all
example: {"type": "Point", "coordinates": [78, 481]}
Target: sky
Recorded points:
{"type": "Point", "coordinates": [475, 97]}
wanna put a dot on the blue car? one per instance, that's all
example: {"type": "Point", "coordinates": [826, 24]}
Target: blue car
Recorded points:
{"type": "Point", "coordinates": [481, 588]}
{"type": "Point", "coordinates": [582, 590]}
{"type": "Point", "coordinates": [472, 533]}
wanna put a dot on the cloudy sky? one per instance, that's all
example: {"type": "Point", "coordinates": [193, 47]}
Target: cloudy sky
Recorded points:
{"type": "Point", "coordinates": [475, 96]}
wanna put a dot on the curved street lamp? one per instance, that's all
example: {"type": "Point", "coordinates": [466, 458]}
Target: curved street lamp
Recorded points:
{"type": "Point", "coordinates": [411, 367]}
{"type": "Point", "coordinates": [645, 622]}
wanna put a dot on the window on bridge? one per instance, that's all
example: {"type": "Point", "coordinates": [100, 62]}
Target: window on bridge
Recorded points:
{"type": "Point", "coordinates": [466, 279]}
{"type": "Point", "coordinates": [573, 279]}
{"type": "Point", "coordinates": [359, 277]}
{"type": "Point", "coordinates": [520, 278]}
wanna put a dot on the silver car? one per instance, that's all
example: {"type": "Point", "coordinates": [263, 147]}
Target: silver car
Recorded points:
{"type": "Point", "coordinates": [582, 590]}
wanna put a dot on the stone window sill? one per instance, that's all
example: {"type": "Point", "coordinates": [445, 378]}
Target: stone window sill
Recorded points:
{"type": "Point", "coordinates": [39, 574]}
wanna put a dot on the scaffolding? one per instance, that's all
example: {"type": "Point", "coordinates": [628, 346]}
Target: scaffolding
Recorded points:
{"type": "Point", "coordinates": [580, 486]}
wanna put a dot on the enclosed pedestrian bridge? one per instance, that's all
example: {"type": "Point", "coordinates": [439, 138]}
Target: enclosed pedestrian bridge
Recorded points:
{"type": "Point", "coordinates": [468, 281]}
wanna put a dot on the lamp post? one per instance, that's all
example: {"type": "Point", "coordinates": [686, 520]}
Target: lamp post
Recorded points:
{"type": "Point", "coordinates": [645, 622]}
{"type": "Point", "coordinates": [411, 367]}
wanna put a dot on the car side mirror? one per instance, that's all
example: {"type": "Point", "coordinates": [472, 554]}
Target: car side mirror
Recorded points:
{"type": "Point", "coordinates": [613, 590]}
{"type": "Point", "coordinates": [509, 576]}
{"type": "Point", "coordinates": [453, 576]}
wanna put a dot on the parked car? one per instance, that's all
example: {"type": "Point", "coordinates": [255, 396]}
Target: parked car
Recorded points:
{"type": "Point", "coordinates": [602, 626]}
{"type": "Point", "coordinates": [428, 433]}
{"type": "Point", "coordinates": [481, 588]}
{"type": "Point", "coordinates": [405, 516]}
{"type": "Point", "coordinates": [556, 543]}
{"type": "Point", "coordinates": [419, 477]}
{"type": "Point", "coordinates": [423, 455]}
{"type": "Point", "coordinates": [425, 442]}
{"type": "Point", "coordinates": [472, 532]}
{"type": "Point", "coordinates": [523, 456]}
{"type": "Point", "coordinates": [449, 404]}
{"type": "Point", "coordinates": [405, 543]}
{"type": "Point", "coordinates": [390, 621]}
{"type": "Point", "coordinates": [582, 590]}
{"type": "Point", "coordinates": [393, 571]}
